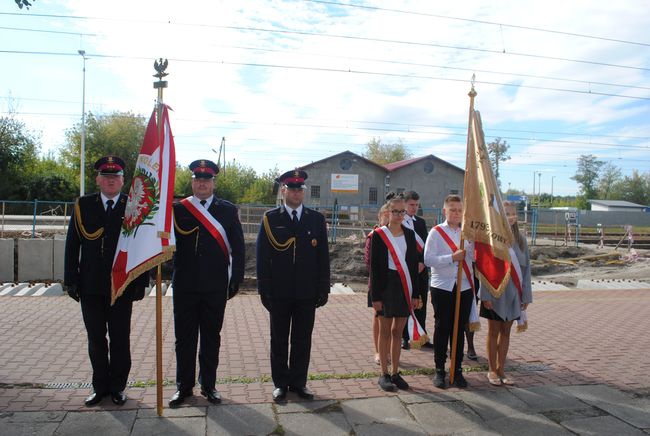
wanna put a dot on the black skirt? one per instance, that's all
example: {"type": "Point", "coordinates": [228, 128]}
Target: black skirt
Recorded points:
{"type": "Point", "coordinates": [486, 313]}
{"type": "Point", "coordinates": [395, 305]}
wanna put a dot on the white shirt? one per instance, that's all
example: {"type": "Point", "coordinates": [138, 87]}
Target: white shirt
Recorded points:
{"type": "Point", "coordinates": [400, 241]}
{"type": "Point", "coordinates": [290, 210]}
{"type": "Point", "coordinates": [105, 199]}
{"type": "Point", "coordinates": [437, 255]}
{"type": "Point", "coordinates": [408, 222]}
{"type": "Point", "coordinates": [208, 201]}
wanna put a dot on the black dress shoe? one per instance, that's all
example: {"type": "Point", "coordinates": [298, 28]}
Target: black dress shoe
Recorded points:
{"type": "Point", "coordinates": [179, 398]}
{"type": "Point", "coordinates": [94, 398]}
{"type": "Point", "coordinates": [211, 395]}
{"type": "Point", "coordinates": [303, 392]}
{"type": "Point", "coordinates": [279, 394]}
{"type": "Point", "coordinates": [427, 345]}
{"type": "Point", "coordinates": [405, 344]}
{"type": "Point", "coordinates": [118, 398]}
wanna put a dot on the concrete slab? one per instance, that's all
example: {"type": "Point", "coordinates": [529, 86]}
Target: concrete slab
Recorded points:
{"type": "Point", "coordinates": [308, 406]}
{"type": "Point", "coordinates": [28, 428]}
{"type": "Point", "coordinates": [35, 259]}
{"type": "Point", "coordinates": [12, 290]}
{"type": "Point", "coordinates": [54, 290]}
{"type": "Point", "coordinates": [426, 397]}
{"type": "Point", "coordinates": [543, 398]}
{"type": "Point", "coordinates": [605, 425]}
{"type": "Point", "coordinates": [404, 428]}
{"type": "Point", "coordinates": [598, 394]}
{"type": "Point", "coordinates": [333, 423]}
{"type": "Point", "coordinates": [7, 256]}
{"type": "Point", "coordinates": [527, 424]}
{"type": "Point", "coordinates": [169, 426]}
{"type": "Point", "coordinates": [636, 413]}
{"type": "Point", "coordinates": [29, 290]}
{"type": "Point", "coordinates": [241, 419]}
{"type": "Point", "coordinates": [547, 285]}
{"type": "Point", "coordinates": [371, 410]}
{"type": "Point", "coordinates": [58, 269]}
{"type": "Point", "coordinates": [493, 404]}
{"type": "Point", "coordinates": [341, 288]}
{"type": "Point", "coordinates": [447, 418]}
{"type": "Point", "coordinates": [116, 423]}
{"type": "Point", "coordinates": [180, 412]}
{"type": "Point", "coordinates": [608, 284]}
{"type": "Point", "coordinates": [32, 417]}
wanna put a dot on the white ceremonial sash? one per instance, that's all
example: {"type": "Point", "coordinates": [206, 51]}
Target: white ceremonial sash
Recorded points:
{"type": "Point", "coordinates": [214, 227]}
{"type": "Point", "coordinates": [416, 332]}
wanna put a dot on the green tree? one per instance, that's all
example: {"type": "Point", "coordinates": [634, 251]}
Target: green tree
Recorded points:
{"type": "Point", "coordinates": [587, 176]}
{"type": "Point", "coordinates": [610, 176]}
{"type": "Point", "coordinates": [119, 133]}
{"type": "Point", "coordinates": [498, 152]}
{"type": "Point", "coordinates": [636, 188]}
{"type": "Point", "coordinates": [24, 3]}
{"type": "Point", "coordinates": [381, 153]}
{"type": "Point", "coordinates": [183, 181]}
{"type": "Point", "coordinates": [49, 179]}
{"type": "Point", "coordinates": [19, 149]}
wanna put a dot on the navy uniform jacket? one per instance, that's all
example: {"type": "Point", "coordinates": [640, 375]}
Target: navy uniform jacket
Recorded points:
{"type": "Point", "coordinates": [421, 229]}
{"type": "Point", "coordinates": [90, 247]}
{"type": "Point", "coordinates": [199, 262]}
{"type": "Point", "coordinates": [283, 274]}
{"type": "Point", "coordinates": [379, 264]}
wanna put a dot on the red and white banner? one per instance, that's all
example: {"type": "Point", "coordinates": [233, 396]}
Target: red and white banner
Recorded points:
{"type": "Point", "coordinates": [147, 236]}
{"type": "Point", "coordinates": [416, 333]}
{"type": "Point", "coordinates": [484, 217]}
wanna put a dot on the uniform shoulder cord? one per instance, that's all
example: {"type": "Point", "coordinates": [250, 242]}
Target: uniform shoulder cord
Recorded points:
{"type": "Point", "coordinates": [80, 226]}
{"type": "Point", "coordinates": [274, 242]}
{"type": "Point", "coordinates": [181, 231]}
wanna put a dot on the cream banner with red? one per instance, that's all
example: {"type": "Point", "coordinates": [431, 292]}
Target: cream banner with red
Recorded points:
{"type": "Point", "coordinates": [147, 235]}
{"type": "Point", "coordinates": [484, 217]}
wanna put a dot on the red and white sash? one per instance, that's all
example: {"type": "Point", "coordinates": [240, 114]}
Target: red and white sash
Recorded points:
{"type": "Point", "coordinates": [474, 321]}
{"type": "Point", "coordinates": [517, 279]}
{"type": "Point", "coordinates": [454, 248]}
{"type": "Point", "coordinates": [418, 240]}
{"type": "Point", "coordinates": [210, 223]}
{"type": "Point", "coordinates": [416, 332]}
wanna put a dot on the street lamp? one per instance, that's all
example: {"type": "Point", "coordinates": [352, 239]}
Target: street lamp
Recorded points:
{"type": "Point", "coordinates": [82, 152]}
{"type": "Point", "coordinates": [539, 197]}
{"type": "Point", "coordinates": [552, 178]}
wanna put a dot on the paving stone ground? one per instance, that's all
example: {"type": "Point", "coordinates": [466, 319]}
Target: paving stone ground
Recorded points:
{"type": "Point", "coordinates": [579, 370]}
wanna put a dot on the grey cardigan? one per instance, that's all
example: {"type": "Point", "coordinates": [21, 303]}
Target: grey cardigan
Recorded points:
{"type": "Point", "coordinates": [508, 306]}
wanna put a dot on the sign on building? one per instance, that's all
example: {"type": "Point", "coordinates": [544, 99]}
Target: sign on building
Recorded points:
{"type": "Point", "coordinates": [348, 183]}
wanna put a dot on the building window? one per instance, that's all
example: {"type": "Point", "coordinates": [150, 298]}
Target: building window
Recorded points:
{"type": "Point", "coordinates": [453, 192]}
{"type": "Point", "coordinates": [372, 195]}
{"type": "Point", "coordinates": [315, 191]}
{"type": "Point", "coordinates": [400, 191]}
{"type": "Point", "coordinates": [428, 167]}
{"type": "Point", "coordinates": [345, 164]}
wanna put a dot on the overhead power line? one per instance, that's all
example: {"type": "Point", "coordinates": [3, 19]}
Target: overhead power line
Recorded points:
{"type": "Point", "coordinates": [339, 70]}
{"type": "Point", "coordinates": [470, 20]}
{"type": "Point", "coordinates": [328, 35]}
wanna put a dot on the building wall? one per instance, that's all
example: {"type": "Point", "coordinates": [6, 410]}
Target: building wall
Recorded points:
{"type": "Point", "coordinates": [432, 178]}
{"type": "Point", "coordinates": [604, 208]}
{"type": "Point", "coordinates": [592, 217]}
{"type": "Point", "coordinates": [320, 174]}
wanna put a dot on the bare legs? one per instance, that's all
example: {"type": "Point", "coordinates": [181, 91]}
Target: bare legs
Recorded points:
{"type": "Point", "coordinates": [390, 341]}
{"type": "Point", "coordinates": [498, 341]}
{"type": "Point", "coordinates": [375, 334]}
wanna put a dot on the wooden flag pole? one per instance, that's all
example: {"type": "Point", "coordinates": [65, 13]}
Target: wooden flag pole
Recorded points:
{"type": "Point", "coordinates": [459, 275]}
{"type": "Point", "coordinates": [160, 66]}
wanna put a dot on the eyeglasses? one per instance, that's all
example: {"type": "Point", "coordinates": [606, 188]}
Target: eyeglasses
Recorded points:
{"type": "Point", "coordinates": [398, 212]}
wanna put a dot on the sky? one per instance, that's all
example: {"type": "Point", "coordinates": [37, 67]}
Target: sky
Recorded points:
{"type": "Point", "coordinates": [287, 83]}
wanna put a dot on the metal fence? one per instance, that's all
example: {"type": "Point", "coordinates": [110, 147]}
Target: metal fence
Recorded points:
{"type": "Point", "coordinates": [40, 218]}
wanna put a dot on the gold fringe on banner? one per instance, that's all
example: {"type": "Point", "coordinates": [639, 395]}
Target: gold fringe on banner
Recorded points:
{"type": "Point", "coordinates": [417, 344]}
{"type": "Point", "coordinates": [167, 254]}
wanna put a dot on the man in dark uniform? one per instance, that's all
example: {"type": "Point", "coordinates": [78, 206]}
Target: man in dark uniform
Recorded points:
{"type": "Point", "coordinates": [89, 252]}
{"type": "Point", "coordinates": [208, 268]}
{"type": "Point", "coordinates": [293, 279]}
{"type": "Point", "coordinates": [417, 223]}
